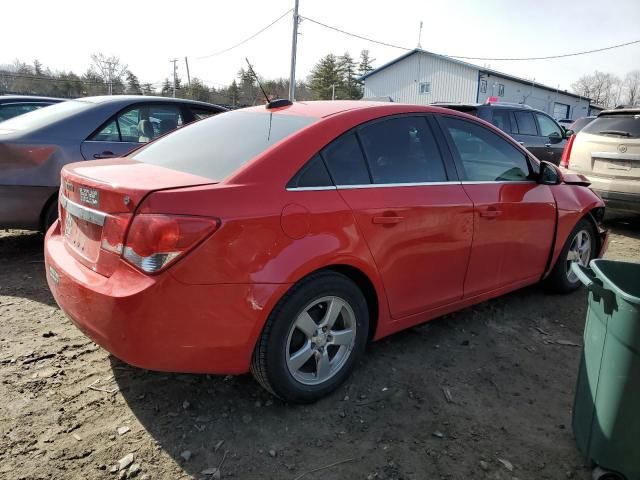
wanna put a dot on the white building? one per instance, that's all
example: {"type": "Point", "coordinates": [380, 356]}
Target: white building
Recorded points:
{"type": "Point", "coordinates": [422, 77]}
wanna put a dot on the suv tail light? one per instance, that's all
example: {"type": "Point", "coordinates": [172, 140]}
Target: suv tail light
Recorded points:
{"type": "Point", "coordinates": [156, 241]}
{"type": "Point", "coordinates": [566, 153]}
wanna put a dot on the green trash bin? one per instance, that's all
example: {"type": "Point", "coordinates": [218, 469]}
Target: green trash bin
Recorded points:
{"type": "Point", "coordinates": [606, 410]}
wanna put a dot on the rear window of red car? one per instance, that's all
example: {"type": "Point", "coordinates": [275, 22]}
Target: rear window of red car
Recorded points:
{"type": "Point", "coordinates": [217, 146]}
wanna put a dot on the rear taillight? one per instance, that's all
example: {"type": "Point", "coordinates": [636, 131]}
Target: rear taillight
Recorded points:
{"type": "Point", "coordinates": [156, 241]}
{"type": "Point", "coordinates": [566, 153]}
{"type": "Point", "coordinates": [115, 226]}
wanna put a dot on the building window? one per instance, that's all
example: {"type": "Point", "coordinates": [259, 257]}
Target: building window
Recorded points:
{"type": "Point", "coordinates": [500, 90]}
{"type": "Point", "coordinates": [483, 86]}
{"type": "Point", "coordinates": [425, 88]}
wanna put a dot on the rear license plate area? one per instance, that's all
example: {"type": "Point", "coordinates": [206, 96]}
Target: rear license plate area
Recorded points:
{"type": "Point", "coordinates": [83, 236]}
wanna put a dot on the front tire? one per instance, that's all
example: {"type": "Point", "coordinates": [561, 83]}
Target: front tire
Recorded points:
{"type": "Point", "coordinates": [581, 246]}
{"type": "Point", "coordinates": [312, 339]}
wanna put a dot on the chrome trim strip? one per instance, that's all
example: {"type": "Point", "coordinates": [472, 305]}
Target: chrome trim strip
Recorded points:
{"type": "Point", "coordinates": [389, 185]}
{"type": "Point", "coordinates": [82, 212]}
{"type": "Point", "coordinates": [497, 181]}
{"type": "Point", "coordinates": [309, 189]}
{"type": "Point", "coordinates": [615, 156]}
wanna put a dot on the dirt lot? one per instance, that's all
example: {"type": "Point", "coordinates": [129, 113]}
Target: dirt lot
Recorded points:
{"type": "Point", "coordinates": [508, 367]}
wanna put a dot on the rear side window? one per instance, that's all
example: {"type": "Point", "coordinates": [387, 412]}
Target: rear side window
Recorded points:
{"type": "Point", "coordinates": [313, 174]}
{"type": "Point", "coordinates": [484, 155]}
{"type": "Point", "coordinates": [502, 120]}
{"type": "Point", "coordinates": [217, 146]}
{"type": "Point", "coordinates": [620, 125]}
{"type": "Point", "coordinates": [345, 161]}
{"type": "Point", "coordinates": [11, 110]}
{"type": "Point", "coordinates": [402, 150]}
{"type": "Point", "coordinates": [526, 123]}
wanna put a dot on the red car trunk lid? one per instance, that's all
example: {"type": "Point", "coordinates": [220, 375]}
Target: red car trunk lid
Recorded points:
{"type": "Point", "coordinates": [98, 200]}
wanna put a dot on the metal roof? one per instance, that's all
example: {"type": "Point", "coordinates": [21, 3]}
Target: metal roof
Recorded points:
{"type": "Point", "coordinates": [471, 65]}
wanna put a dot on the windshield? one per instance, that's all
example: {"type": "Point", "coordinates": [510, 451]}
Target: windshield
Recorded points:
{"type": "Point", "coordinates": [45, 116]}
{"type": "Point", "coordinates": [217, 146]}
{"type": "Point", "coordinates": [618, 125]}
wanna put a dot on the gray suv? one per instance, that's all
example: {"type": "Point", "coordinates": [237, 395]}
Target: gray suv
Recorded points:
{"type": "Point", "coordinates": [535, 130]}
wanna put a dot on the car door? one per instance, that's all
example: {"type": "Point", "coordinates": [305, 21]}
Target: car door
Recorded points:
{"type": "Point", "coordinates": [553, 135]}
{"type": "Point", "coordinates": [527, 134]}
{"type": "Point", "coordinates": [130, 128]}
{"type": "Point", "coordinates": [514, 216]}
{"type": "Point", "coordinates": [415, 218]}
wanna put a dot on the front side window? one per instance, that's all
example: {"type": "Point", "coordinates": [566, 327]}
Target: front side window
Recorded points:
{"type": "Point", "coordinates": [548, 127]}
{"type": "Point", "coordinates": [140, 124]}
{"type": "Point", "coordinates": [526, 123]}
{"type": "Point", "coordinates": [484, 155]}
{"type": "Point", "coordinates": [217, 146]}
{"type": "Point", "coordinates": [345, 161]}
{"type": "Point", "coordinates": [402, 150]}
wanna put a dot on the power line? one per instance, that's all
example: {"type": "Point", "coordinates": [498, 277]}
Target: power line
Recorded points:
{"type": "Point", "coordinates": [248, 38]}
{"type": "Point", "coordinates": [549, 57]}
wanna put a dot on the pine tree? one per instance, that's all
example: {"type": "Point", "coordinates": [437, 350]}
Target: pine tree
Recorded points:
{"type": "Point", "coordinates": [324, 76]}
{"type": "Point", "coordinates": [365, 63]}
{"type": "Point", "coordinates": [351, 89]}
{"type": "Point", "coordinates": [133, 85]}
{"type": "Point", "coordinates": [234, 93]}
{"type": "Point", "coordinates": [167, 88]}
{"type": "Point", "coordinates": [147, 90]}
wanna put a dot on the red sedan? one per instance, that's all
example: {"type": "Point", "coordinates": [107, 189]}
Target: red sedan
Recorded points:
{"type": "Point", "coordinates": [281, 239]}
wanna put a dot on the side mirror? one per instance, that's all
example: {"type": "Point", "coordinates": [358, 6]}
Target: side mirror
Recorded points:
{"type": "Point", "coordinates": [569, 133]}
{"type": "Point", "coordinates": [549, 174]}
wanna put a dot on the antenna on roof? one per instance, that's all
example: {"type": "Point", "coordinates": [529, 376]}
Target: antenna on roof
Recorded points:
{"type": "Point", "coordinates": [420, 36]}
{"type": "Point", "coordinates": [266, 97]}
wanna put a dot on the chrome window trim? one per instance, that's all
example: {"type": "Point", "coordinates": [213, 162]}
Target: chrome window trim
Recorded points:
{"type": "Point", "coordinates": [615, 156]}
{"type": "Point", "coordinates": [411, 184]}
{"type": "Point", "coordinates": [82, 212]}
{"type": "Point", "coordinates": [310, 189]}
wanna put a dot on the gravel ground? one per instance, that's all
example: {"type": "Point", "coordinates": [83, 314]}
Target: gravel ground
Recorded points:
{"type": "Point", "coordinates": [482, 394]}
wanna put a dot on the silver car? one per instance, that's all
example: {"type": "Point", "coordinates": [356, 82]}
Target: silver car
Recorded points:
{"type": "Point", "coordinates": [35, 146]}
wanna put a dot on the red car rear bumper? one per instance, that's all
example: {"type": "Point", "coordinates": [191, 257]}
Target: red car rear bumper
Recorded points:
{"type": "Point", "coordinates": [157, 322]}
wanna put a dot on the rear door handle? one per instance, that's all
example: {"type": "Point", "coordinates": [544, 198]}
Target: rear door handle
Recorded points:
{"type": "Point", "coordinates": [547, 145]}
{"type": "Point", "coordinates": [387, 220]}
{"type": "Point", "coordinates": [491, 212]}
{"type": "Point", "coordinates": [105, 154]}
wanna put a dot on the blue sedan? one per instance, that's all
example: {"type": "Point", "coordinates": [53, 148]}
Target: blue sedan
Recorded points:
{"type": "Point", "coordinates": [35, 146]}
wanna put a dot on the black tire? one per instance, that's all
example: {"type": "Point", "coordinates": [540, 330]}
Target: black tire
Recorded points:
{"type": "Point", "coordinates": [50, 215]}
{"type": "Point", "coordinates": [560, 280]}
{"type": "Point", "coordinates": [269, 364]}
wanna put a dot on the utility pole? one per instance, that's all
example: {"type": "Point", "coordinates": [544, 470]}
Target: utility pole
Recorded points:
{"type": "Point", "coordinates": [186, 62]}
{"type": "Point", "coordinates": [110, 69]}
{"type": "Point", "coordinates": [294, 47]}
{"type": "Point", "coordinates": [420, 37]}
{"type": "Point", "coordinates": [175, 75]}
{"type": "Point", "coordinates": [333, 91]}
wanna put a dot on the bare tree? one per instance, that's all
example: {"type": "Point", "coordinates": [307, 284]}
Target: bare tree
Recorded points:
{"type": "Point", "coordinates": [602, 88]}
{"type": "Point", "coordinates": [632, 87]}
{"type": "Point", "coordinates": [109, 69]}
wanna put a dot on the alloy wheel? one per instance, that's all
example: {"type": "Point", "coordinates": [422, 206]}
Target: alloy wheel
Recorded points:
{"type": "Point", "coordinates": [579, 251]}
{"type": "Point", "coordinates": [321, 340]}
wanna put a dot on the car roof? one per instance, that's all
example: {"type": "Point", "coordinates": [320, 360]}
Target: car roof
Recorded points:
{"type": "Point", "coordinates": [326, 108]}
{"type": "Point", "coordinates": [621, 111]}
{"type": "Point", "coordinates": [127, 99]}
{"type": "Point", "coordinates": [28, 98]}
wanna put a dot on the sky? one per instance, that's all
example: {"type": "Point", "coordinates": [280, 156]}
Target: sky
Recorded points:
{"type": "Point", "coordinates": [146, 35]}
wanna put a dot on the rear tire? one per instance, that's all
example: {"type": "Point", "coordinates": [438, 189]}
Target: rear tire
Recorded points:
{"type": "Point", "coordinates": [312, 339]}
{"type": "Point", "coordinates": [581, 246]}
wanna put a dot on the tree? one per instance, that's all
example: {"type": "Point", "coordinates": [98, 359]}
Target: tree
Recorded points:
{"type": "Point", "coordinates": [167, 88]}
{"type": "Point", "coordinates": [234, 93]}
{"type": "Point", "coordinates": [325, 77]}
{"type": "Point", "coordinates": [147, 89]}
{"type": "Point", "coordinates": [632, 87]}
{"type": "Point", "coordinates": [198, 91]}
{"type": "Point", "coordinates": [109, 69]}
{"type": "Point", "coordinates": [133, 84]}
{"type": "Point", "coordinates": [602, 88]}
{"type": "Point", "coordinates": [366, 62]}
{"type": "Point", "coordinates": [350, 88]}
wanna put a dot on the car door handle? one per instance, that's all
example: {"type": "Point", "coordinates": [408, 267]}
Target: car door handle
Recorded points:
{"type": "Point", "coordinates": [387, 220]}
{"type": "Point", "coordinates": [490, 212]}
{"type": "Point", "coordinates": [105, 154]}
{"type": "Point", "coordinates": [547, 145]}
